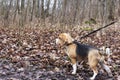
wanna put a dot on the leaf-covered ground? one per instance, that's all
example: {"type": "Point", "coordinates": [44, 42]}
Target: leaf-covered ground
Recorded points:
{"type": "Point", "coordinates": [31, 54]}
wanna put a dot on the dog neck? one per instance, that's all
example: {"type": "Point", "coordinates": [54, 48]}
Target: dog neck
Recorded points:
{"type": "Point", "coordinates": [68, 44]}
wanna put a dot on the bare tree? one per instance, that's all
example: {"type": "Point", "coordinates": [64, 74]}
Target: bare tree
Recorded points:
{"type": "Point", "coordinates": [6, 16]}
{"type": "Point", "coordinates": [53, 10]}
{"type": "Point", "coordinates": [38, 9]}
{"type": "Point", "coordinates": [42, 9]}
{"type": "Point", "coordinates": [70, 12]}
{"type": "Point", "coordinates": [16, 9]}
{"type": "Point", "coordinates": [48, 7]}
{"type": "Point", "coordinates": [63, 10]}
{"type": "Point", "coordinates": [76, 11]}
{"type": "Point", "coordinates": [21, 21]}
{"type": "Point", "coordinates": [32, 12]}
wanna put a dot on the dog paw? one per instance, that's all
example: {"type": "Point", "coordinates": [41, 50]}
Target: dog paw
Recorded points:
{"type": "Point", "coordinates": [73, 72]}
{"type": "Point", "coordinates": [92, 78]}
{"type": "Point", "coordinates": [110, 75]}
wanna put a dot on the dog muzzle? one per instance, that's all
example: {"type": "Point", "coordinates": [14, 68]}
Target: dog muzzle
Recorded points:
{"type": "Point", "coordinates": [57, 41]}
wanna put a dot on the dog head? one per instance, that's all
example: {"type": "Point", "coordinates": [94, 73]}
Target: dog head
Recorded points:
{"type": "Point", "coordinates": [64, 38]}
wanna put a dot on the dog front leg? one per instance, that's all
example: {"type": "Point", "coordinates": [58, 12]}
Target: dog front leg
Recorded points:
{"type": "Point", "coordinates": [74, 68]}
{"type": "Point", "coordinates": [74, 65]}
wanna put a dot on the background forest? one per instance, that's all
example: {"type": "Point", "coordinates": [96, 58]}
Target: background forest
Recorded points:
{"type": "Point", "coordinates": [68, 12]}
{"type": "Point", "coordinates": [28, 29]}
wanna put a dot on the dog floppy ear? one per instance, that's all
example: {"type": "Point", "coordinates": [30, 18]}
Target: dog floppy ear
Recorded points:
{"type": "Point", "coordinates": [68, 39]}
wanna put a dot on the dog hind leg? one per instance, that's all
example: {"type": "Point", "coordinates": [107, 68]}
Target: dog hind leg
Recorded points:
{"type": "Point", "coordinates": [93, 65]}
{"type": "Point", "coordinates": [93, 62]}
{"type": "Point", "coordinates": [95, 71]}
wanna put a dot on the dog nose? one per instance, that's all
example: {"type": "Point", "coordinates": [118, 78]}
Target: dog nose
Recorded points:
{"type": "Point", "coordinates": [57, 41]}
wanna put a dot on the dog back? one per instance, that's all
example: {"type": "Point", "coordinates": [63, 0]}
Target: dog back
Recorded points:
{"type": "Point", "coordinates": [82, 49]}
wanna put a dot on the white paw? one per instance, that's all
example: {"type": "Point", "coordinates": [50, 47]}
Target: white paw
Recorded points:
{"type": "Point", "coordinates": [73, 72]}
{"type": "Point", "coordinates": [110, 75]}
{"type": "Point", "coordinates": [92, 78]}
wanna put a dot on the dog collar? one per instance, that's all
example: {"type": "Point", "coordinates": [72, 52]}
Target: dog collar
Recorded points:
{"type": "Point", "coordinates": [67, 44]}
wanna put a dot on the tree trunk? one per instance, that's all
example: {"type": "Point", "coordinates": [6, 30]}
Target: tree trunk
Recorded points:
{"type": "Point", "coordinates": [42, 9]}
{"type": "Point", "coordinates": [33, 7]}
{"type": "Point", "coordinates": [53, 10]}
{"type": "Point", "coordinates": [47, 10]}
{"type": "Point", "coordinates": [7, 13]}
{"type": "Point", "coordinates": [38, 9]}
{"type": "Point", "coordinates": [111, 10]}
{"type": "Point", "coordinates": [76, 11]}
{"type": "Point", "coordinates": [21, 21]}
{"type": "Point", "coordinates": [63, 10]}
{"type": "Point", "coordinates": [16, 9]}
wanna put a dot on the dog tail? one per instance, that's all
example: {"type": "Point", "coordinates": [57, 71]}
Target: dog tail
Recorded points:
{"type": "Point", "coordinates": [104, 66]}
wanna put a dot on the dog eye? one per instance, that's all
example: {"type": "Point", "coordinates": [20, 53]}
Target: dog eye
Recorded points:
{"type": "Point", "coordinates": [59, 38]}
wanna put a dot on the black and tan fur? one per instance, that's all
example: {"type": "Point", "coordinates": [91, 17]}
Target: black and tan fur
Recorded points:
{"type": "Point", "coordinates": [79, 52]}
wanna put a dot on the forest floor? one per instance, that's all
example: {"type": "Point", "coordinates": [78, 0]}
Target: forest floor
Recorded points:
{"type": "Point", "coordinates": [31, 54]}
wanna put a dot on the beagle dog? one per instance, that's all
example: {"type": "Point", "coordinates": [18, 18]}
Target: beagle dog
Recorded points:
{"type": "Point", "coordinates": [79, 52]}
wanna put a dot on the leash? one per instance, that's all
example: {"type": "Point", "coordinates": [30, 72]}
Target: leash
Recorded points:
{"type": "Point", "coordinates": [98, 29]}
